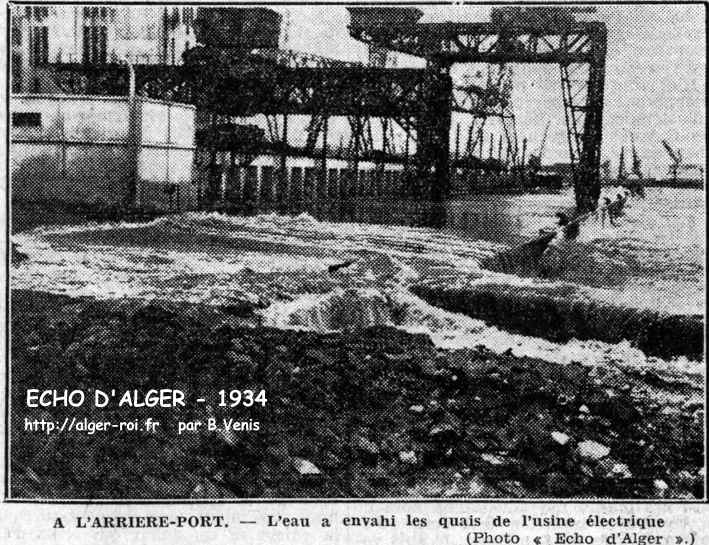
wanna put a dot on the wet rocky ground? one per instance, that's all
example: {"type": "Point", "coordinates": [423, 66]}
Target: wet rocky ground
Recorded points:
{"type": "Point", "coordinates": [368, 413]}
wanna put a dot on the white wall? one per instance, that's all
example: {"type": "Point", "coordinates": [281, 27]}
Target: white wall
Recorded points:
{"type": "Point", "coordinates": [81, 152]}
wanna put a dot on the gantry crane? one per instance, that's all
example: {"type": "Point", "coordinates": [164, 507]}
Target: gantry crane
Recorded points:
{"type": "Point", "coordinates": [514, 34]}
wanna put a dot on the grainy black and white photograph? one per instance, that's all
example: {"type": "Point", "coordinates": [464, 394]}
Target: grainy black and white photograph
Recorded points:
{"type": "Point", "coordinates": [450, 251]}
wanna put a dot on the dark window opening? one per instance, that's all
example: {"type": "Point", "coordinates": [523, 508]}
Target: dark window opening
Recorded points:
{"type": "Point", "coordinates": [16, 35]}
{"type": "Point", "coordinates": [39, 45]}
{"type": "Point", "coordinates": [102, 14]}
{"type": "Point", "coordinates": [40, 13]}
{"type": "Point", "coordinates": [188, 19]}
{"type": "Point", "coordinates": [26, 119]}
{"type": "Point", "coordinates": [94, 51]}
{"type": "Point", "coordinates": [172, 18]}
{"type": "Point", "coordinates": [16, 72]}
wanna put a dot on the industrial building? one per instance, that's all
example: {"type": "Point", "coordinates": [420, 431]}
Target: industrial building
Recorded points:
{"type": "Point", "coordinates": [255, 98]}
{"type": "Point", "coordinates": [45, 35]}
{"type": "Point", "coordinates": [90, 149]}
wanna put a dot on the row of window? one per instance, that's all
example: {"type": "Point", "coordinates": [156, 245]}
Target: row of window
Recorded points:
{"type": "Point", "coordinates": [94, 50]}
{"type": "Point", "coordinates": [100, 13]}
{"type": "Point", "coordinates": [173, 19]}
{"type": "Point", "coordinates": [94, 44]}
{"type": "Point", "coordinates": [37, 13]}
{"type": "Point", "coordinates": [41, 13]}
{"type": "Point", "coordinates": [187, 16]}
{"type": "Point", "coordinates": [105, 14]}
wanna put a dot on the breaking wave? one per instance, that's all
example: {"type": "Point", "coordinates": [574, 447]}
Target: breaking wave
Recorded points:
{"type": "Point", "coordinates": [328, 276]}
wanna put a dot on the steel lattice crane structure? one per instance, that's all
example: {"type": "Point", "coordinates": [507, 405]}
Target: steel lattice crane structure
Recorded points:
{"type": "Point", "coordinates": [548, 35]}
{"type": "Point", "coordinates": [491, 100]}
{"type": "Point", "coordinates": [231, 82]}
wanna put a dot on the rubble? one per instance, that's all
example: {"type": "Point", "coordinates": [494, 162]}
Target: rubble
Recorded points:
{"type": "Point", "coordinates": [560, 437]}
{"type": "Point", "coordinates": [305, 467]}
{"type": "Point", "coordinates": [351, 422]}
{"type": "Point", "coordinates": [591, 450]}
{"type": "Point", "coordinates": [408, 457]}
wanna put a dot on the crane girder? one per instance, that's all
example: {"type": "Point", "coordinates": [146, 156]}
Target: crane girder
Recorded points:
{"type": "Point", "coordinates": [263, 88]}
{"type": "Point", "coordinates": [517, 35]}
{"type": "Point", "coordinates": [488, 42]}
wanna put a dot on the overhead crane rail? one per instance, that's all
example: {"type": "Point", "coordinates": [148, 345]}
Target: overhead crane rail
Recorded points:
{"type": "Point", "coordinates": [514, 35]}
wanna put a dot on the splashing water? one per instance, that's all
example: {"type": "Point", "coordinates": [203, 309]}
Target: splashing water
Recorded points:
{"type": "Point", "coordinates": [653, 259]}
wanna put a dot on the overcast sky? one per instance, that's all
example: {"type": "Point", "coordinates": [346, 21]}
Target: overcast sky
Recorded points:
{"type": "Point", "coordinates": [655, 79]}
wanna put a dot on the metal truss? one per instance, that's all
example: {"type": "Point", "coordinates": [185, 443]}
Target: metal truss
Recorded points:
{"type": "Point", "coordinates": [521, 35]}
{"type": "Point", "coordinates": [574, 89]}
{"type": "Point", "coordinates": [489, 42]}
{"type": "Point", "coordinates": [259, 86]}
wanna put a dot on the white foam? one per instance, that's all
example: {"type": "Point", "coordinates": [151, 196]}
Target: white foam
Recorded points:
{"type": "Point", "coordinates": [399, 308]}
{"type": "Point", "coordinates": [386, 260]}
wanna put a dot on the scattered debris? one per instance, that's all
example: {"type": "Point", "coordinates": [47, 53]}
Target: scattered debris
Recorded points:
{"type": "Point", "coordinates": [560, 437]}
{"type": "Point", "coordinates": [341, 407]}
{"type": "Point", "coordinates": [591, 450]}
{"type": "Point", "coordinates": [305, 467]}
{"type": "Point", "coordinates": [408, 457]}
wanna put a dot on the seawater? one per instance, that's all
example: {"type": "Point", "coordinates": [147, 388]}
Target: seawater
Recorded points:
{"type": "Point", "coordinates": [653, 259]}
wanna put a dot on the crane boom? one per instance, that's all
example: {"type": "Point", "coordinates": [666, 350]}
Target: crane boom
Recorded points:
{"type": "Point", "coordinates": [636, 160]}
{"type": "Point", "coordinates": [544, 141]}
{"type": "Point", "coordinates": [670, 152]}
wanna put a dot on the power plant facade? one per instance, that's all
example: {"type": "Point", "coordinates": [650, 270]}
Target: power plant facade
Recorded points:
{"type": "Point", "coordinates": [43, 35]}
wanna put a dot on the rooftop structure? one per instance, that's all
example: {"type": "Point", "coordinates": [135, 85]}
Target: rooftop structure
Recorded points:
{"type": "Point", "coordinates": [112, 34]}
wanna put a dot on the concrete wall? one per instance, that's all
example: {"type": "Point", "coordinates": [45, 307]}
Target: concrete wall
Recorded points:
{"type": "Point", "coordinates": [167, 152]}
{"type": "Point", "coordinates": [261, 181]}
{"type": "Point", "coordinates": [83, 150]}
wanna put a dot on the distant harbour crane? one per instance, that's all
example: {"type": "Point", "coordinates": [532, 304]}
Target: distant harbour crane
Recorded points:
{"type": "Point", "coordinates": [535, 161]}
{"type": "Point", "coordinates": [678, 165]}
{"type": "Point", "coordinates": [636, 168]}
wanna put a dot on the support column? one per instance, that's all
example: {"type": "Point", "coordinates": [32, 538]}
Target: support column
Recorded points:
{"type": "Point", "coordinates": [456, 157]}
{"type": "Point", "coordinates": [62, 136]}
{"type": "Point", "coordinates": [214, 171]}
{"type": "Point", "coordinates": [355, 181]}
{"type": "Point", "coordinates": [587, 184]}
{"type": "Point", "coordinates": [282, 184]}
{"type": "Point", "coordinates": [322, 190]}
{"type": "Point", "coordinates": [266, 184]}
{"type": "Point", "coordinates": [232, 189]}
{"type": "Point", "coordinates": [135, 124]}
{"type": "Point", "coordinates": [434, 126]}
